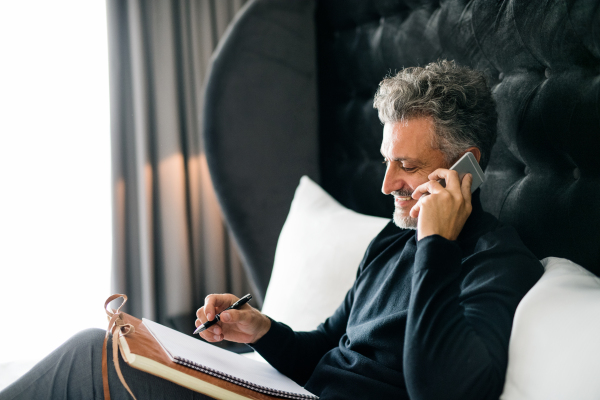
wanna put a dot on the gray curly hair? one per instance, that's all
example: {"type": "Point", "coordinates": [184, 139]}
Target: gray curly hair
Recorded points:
{"type": "Point", "coordinates": [457, 98]}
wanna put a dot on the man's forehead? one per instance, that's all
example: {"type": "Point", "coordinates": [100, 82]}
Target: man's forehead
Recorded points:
{"type": "Point", "coordinates": [407, 140]}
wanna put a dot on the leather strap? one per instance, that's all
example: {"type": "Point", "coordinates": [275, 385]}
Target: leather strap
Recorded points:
{"type": "Point", "coordinates": [118, 329]}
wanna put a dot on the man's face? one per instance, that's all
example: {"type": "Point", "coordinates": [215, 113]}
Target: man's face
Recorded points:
{"type": "Point", "coordinates": [410, 158]}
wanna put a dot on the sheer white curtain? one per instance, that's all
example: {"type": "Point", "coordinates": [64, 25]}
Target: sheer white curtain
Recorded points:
{"type": "Point", "coordinates": [55, 216]}
{"type": "Point", "coordinates": [170, 244]}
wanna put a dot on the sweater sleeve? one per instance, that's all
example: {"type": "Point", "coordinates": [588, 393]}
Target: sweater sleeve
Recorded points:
{"type": "Point", "coordinates": [296, 354]}
{"type": "Point", "coordinates": [460, 317]}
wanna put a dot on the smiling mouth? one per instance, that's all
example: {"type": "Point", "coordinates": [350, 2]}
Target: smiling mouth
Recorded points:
{"type": "Point", "coordinates": [400, 201]}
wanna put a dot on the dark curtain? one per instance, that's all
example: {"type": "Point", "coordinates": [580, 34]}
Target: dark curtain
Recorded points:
{"type": "Point", "coordinates": [170, 245]}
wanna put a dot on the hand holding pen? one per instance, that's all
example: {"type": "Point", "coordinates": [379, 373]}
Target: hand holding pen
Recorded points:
{"type": "Point", "coordinates": [217, 318]}
{"type": "Point", "coordinates": [237, 322]}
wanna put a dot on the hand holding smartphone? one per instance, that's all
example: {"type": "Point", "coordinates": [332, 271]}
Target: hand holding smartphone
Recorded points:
{"type": "Point", "coordinates": [468, 164]}
{"type": "Point", "coordinates": [447, 215]}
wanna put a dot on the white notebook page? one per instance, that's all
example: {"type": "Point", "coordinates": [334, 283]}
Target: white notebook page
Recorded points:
{"type": "Point", "coordinates": [176, 344]}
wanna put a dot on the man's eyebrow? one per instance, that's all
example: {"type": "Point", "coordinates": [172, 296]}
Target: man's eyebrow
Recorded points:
{"type": "Point", "coordinates": [412, 160]}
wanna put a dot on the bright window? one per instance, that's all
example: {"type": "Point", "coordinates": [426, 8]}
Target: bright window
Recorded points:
{"type": "Point", "coordinates": [55, 200]}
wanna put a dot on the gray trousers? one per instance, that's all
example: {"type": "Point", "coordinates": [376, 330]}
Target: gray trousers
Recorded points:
{"type": "Point", "coordinates": [74, 371]}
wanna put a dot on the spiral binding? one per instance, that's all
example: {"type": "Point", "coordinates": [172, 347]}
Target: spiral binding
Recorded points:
{"type": "Point", "coordinates": [242, 382]}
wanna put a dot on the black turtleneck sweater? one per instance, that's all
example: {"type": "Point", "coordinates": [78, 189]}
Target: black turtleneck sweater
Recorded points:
{"type": "Point", "coordinates": [428, 319]}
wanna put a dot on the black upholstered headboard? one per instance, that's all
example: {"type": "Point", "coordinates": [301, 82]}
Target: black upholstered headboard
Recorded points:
{"type": "Point", "coordinates": [290, 93]}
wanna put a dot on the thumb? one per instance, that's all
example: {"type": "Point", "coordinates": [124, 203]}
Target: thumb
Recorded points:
{"type": "Point", "coordinates": [226, 317]}
{"type": "Point", "coordinates": [235, 317]}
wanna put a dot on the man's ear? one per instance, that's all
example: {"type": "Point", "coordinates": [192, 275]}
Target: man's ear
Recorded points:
{"type": "Point", "coordinates": [476, 152]}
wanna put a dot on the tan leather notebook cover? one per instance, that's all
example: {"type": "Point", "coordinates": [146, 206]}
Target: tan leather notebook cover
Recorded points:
{"type": "Point", "coordinates": [141, 351]}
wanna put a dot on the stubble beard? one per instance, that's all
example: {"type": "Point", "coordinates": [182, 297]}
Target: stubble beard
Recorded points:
{"type": "Point", "coordinates": [402, 221]}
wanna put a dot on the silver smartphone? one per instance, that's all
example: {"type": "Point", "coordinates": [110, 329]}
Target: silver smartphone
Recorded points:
{"type": "Point", "coordinates": [468, 164]}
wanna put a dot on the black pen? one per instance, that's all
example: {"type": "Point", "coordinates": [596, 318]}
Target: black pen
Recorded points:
{"type": "Point", "coordinates": [217, 318]}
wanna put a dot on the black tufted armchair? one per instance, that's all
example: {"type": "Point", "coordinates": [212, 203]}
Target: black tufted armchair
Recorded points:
{"type": "Point", "coordinates": [290, 94]}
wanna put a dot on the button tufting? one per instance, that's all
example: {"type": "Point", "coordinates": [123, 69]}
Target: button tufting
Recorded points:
{"type": "Point", "coordinates": [526, 171]}
{"type": "Point", "coordinates": [381, 20]}
{"type": "Point", "coordinates": [576, 174]}
{"type": "Point", "coordinates": [501, 76]}
{"type": "Point", "coordinates": [547, 73]}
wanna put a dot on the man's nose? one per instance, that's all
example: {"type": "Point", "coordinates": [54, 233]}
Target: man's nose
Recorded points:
{"type": "Point", "coordinates": [391, 181]}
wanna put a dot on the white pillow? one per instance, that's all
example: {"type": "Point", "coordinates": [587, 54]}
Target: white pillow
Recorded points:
{"type": "Point", "coordinates": [317, 257]}
{"type": "Point", "coordinates": [554, 348]}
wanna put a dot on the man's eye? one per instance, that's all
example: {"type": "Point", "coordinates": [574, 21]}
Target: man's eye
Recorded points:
{"type": "Point", "coordinates": [407, 169]}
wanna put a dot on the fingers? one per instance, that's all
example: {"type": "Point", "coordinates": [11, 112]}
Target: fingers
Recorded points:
{"type": "Point", "coordinates": [450, 176]}
{"type": "Point", "coordinates": [235, 325]}
{"type": "Point", "coordinates": [422, 199]}
{"type": "Point", "coordinates": [420, 194]}
{"type": "Point", "coordinates": [242, 317]}
{"type": "Point", "coordinates": [210, 303]}
{"type": "Point", "coordinates": [420, 191]}
{"type": "Point", "coordinates": [212, 334]}
{"type": "Point", "coordinates": [414, 211]}
{"type": "Point", "coordinates": [427, 188]}
{"type": "Point", "coordinates": [454, 185]}
{"type": "Point", "coordinates": [211, 337]}
{"type": "Point", "coordinates": [214, 304]}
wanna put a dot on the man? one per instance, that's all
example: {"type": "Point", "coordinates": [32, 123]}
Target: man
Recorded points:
{"type": "Point", "coordinates": [430, 313]}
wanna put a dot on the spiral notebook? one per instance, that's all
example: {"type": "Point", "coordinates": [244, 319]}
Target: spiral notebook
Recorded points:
{"type": "Point", "coordinates": [231, 367]}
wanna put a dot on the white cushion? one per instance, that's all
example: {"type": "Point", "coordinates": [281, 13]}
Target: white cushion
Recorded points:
{"type": "Point", "coordinates": [317, 257]}
{"type": "Point", "coordinates": [554, 349]}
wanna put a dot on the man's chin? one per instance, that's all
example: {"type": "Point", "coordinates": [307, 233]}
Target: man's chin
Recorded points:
{"type": "Point", "coordinates": [404, 222]}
